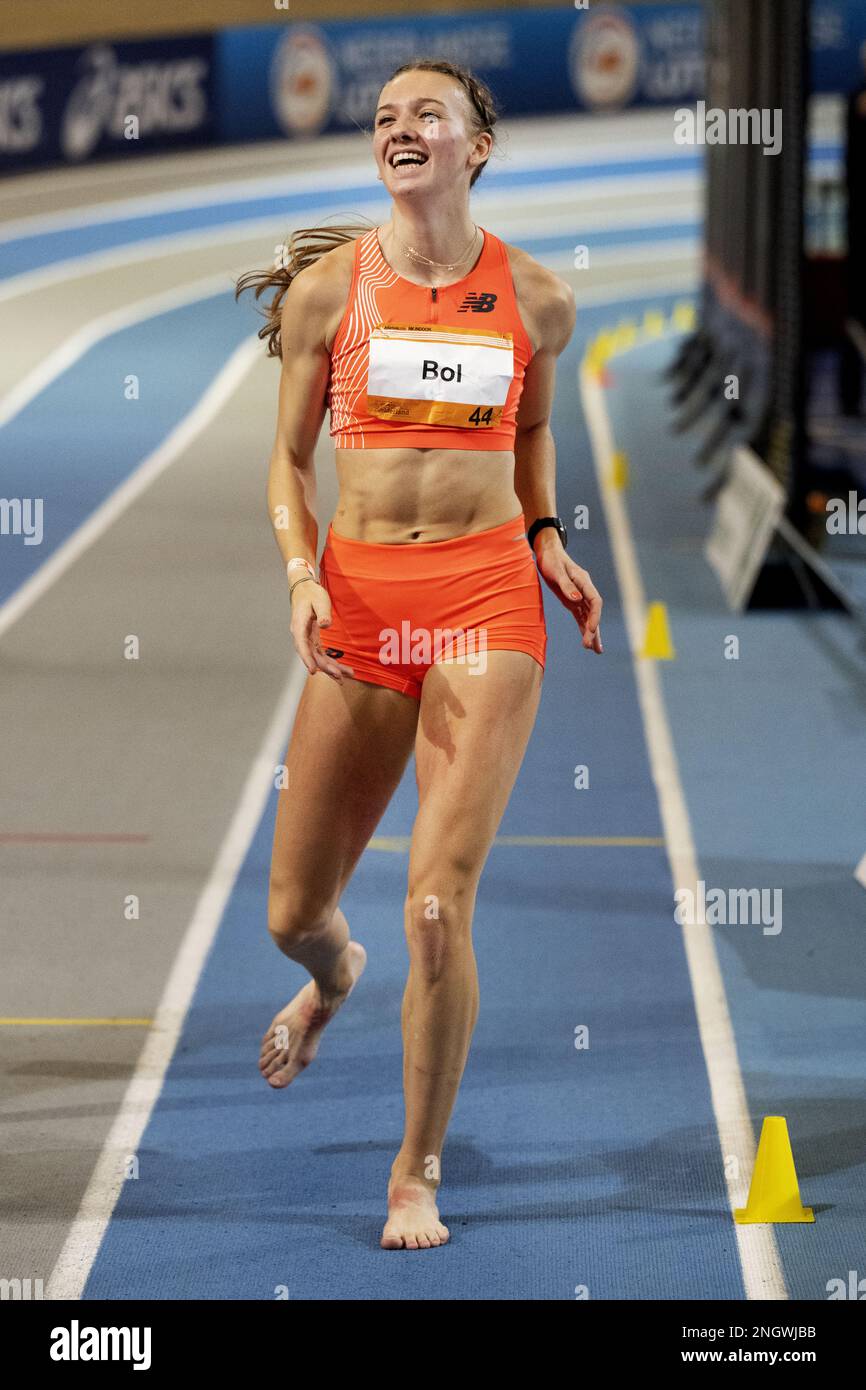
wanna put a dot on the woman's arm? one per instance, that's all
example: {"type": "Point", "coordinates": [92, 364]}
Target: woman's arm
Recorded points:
{"type": "Point", "coordinates": [309, 309]}
{"type": "Point", "coordinates": [301, 409]}
{"type": "Point", "coordinates": [553, 317]}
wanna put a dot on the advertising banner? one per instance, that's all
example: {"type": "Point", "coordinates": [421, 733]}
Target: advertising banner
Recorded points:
{"type": "Point", "coordinates": [68, 105]}
{"type": "Point", "coordinates": [308, 79]}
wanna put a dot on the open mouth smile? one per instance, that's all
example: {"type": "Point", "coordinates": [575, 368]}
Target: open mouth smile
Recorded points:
{"type": "Point", "coordinates": [407, 159]}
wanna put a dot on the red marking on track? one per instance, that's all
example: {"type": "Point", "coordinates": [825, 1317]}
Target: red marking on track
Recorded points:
{"type": "Point", "coordinates": [69, 837]}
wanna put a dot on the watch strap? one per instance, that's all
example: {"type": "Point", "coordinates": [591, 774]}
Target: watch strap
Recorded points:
{"type": "Point", "coordinates": [543, 521]}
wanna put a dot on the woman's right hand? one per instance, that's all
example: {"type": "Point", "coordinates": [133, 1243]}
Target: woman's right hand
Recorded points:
{"type": "Point", "coordinates": [311, 610]}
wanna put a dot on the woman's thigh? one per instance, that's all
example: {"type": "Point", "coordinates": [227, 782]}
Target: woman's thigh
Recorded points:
{"type": "Point", "coordinates": [472, 733]}
{"type": "Point", "coordinates": [349, 747]}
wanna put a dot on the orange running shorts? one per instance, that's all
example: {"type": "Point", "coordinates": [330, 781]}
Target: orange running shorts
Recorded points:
{"type": "Point", "coordinates": [399, 609]}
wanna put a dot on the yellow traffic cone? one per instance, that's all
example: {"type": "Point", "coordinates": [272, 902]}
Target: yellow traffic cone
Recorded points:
{"type": "Point", "coordinates": [619, 474]}
{"type": "Point", "coordinates": [625, 336]}
{"type": "Point", "coordinates": [774, 1194]}
{"type": "Point", "coordinates": [604, 345]}
{"type": "Point", "coordinates": [657, 642]}
{"type": "Point", "coordinates": [684, 315]}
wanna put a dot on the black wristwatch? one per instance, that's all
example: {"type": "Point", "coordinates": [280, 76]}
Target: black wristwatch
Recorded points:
{"type": "Point", "coordinates": [548, 521]}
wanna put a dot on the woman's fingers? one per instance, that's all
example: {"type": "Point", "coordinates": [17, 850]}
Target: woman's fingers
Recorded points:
{"type": "Point", "coordinates": [301, 629]}
{"type": "Point", "coordinates": [304, 615]}
{"type": "Point", "coordinates": [584, 600]}
{"type": "Point", "coordinates": [309, 615]}
{"type": "Point", "coordinates": [335, 669]}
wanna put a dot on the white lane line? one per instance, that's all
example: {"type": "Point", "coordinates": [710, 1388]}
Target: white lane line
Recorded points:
{"type": "Point", "coordinates": [61, 358]}
{"type": "Point", "coordinates": [183, 200]}
{"type": "Point", "coordinates": [69, 1276]}
{"type": "Point", "coordinates": [344, 175]}
{"type": "Point", "coordinates": [186, 430]}
{"type": "Point", "coordinates": [636, 285]}
{"type": "Point", "coordinates": [763, 1277]}
{"type": "Point", "coordinates": [146, 247]}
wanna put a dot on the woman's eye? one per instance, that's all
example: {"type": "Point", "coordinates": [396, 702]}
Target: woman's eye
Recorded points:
{"type": "Point", "coordinates": [382, 119]}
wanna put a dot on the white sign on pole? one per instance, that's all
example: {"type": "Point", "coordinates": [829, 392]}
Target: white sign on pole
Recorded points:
{"type": "Point", "coordinates": [748, 510]}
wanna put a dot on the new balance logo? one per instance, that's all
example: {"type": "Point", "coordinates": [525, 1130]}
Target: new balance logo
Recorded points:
{"type": "Point", "coordinates": [478, 303]}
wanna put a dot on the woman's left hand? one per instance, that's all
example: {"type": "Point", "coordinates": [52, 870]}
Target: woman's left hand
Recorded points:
{"type": "Point", "coordinates": [574, 589]}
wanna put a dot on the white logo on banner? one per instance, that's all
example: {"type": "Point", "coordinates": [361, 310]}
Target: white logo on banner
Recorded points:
{"type": "Point", "coordinates": [302, 81]}
{"type": "Point", "coordinates": [20, 113]}
{"type": "Point", "coordinates": [164, 96]}
{"type": "Point", "coordinates": [604, 59]}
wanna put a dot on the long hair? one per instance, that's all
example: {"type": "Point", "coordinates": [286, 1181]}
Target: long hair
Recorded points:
{"type": "Point", "coordinates": [306, 245]}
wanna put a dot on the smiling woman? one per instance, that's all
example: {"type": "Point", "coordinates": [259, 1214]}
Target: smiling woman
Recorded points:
{"type": "Point", "coordinates": [433, 344]}
{"type": "Point", "coordinates": [307, 245]}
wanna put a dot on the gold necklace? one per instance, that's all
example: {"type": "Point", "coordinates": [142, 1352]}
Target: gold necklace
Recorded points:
{"type": "Point", "coordinates": [439, 265]}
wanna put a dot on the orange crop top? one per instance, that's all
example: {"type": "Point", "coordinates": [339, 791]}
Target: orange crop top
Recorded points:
{"type": "Point", "coordinates": [428, 367]}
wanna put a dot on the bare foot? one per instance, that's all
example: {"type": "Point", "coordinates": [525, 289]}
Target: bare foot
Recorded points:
{"type": "Point", "coordinates": [292, 1041]}
{"type": "Point", "coordinates": [413, 1216]}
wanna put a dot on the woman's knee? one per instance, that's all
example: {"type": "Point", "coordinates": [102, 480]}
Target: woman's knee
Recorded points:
{"type": "Point", "coordinates": [296, 916]}
{"type": "Point", "coordinates": [438, 927]}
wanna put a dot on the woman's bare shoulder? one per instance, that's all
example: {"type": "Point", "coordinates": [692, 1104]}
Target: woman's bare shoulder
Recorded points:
{"type": "Point", "coordinates": [542, 297]}
{"type": "Point", "coordinates": [320, 291]}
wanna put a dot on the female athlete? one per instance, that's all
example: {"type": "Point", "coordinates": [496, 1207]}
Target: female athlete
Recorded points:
{"type": "Point", "coordinates": [433, 344]}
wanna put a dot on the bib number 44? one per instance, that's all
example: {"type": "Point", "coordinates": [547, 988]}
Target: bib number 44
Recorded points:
{"type": "Point", "coordinates": [481, 417]}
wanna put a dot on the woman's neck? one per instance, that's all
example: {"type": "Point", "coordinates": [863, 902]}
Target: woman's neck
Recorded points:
{"type": "Point", "coordinates": [448, 237]}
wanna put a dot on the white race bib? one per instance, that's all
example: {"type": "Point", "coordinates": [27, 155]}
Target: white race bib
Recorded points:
{"type": "Point", "coordinates": [439, 376]}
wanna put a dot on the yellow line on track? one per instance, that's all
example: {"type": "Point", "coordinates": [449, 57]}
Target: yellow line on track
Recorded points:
{"type": "Point", "coordinates": [396, 843]}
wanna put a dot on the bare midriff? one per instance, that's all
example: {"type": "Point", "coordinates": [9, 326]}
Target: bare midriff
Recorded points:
{"type": "Point", "coordinates": [397, 496]}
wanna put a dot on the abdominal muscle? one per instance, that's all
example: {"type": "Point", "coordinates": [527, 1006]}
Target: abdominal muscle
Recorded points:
{"type": "Point", "coordinates": [401, 496]}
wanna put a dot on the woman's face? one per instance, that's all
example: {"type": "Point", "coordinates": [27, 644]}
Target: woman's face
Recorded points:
{"type": "Point", "coordinates": [425, 113]}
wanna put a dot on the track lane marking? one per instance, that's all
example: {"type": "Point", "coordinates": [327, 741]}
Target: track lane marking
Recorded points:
{"type": "Point", "coordinates": [763, 1277]}
{"type": "Point", "coordinates": [397, 843]}
{"type": "Point", "coordinates": [70, 1273]}
{"type": "Point", "coordinates": [117, 502]}
{"type": "Point", "coordinates": [73, 348]}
